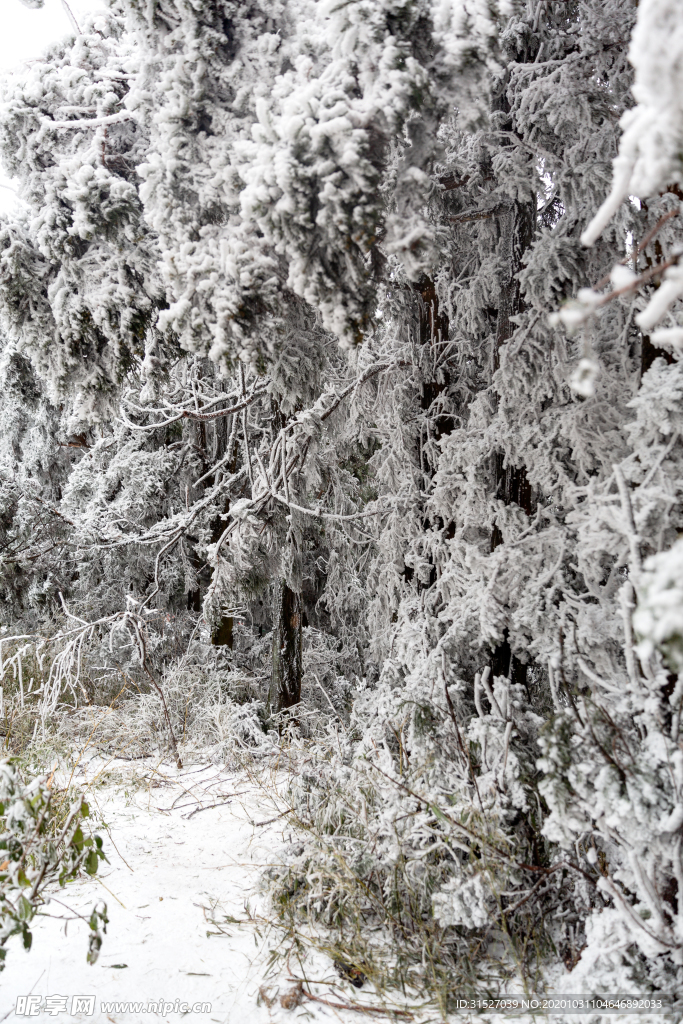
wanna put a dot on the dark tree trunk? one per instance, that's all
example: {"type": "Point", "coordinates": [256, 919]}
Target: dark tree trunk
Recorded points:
{"type": "Point", "coordinates": [648, 354]}
{"type": "Point", "coordinates": [432, 326]}
{"type": "Point", "coordinates": [285, 688]}
{"type": "Point", "coordinates": [516, 223]}
{"type": "Point", "coordinates": [287, 650]}
{"type": "Point", "coordinates": [433, 332]}
{"type": "Point", "coordinates": [222, 636]}
{"type": "Point", "coordinates": [196, 435]}
{"type": "Point", "coordinates": [504, 663]}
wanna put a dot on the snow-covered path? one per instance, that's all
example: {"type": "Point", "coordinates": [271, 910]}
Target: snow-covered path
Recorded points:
{"type": "Point", "coordinates": [174, 870]}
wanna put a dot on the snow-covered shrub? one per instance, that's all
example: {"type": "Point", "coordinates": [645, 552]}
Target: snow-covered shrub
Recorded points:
{"type": "Point", "coordinates": [42, 844]}
{"type": "Point", "coordinates": [204, 713]}
{"type": "Point", "coordinates": [614, 794]}
{"type": "Point", "coordinates": [421, 849]}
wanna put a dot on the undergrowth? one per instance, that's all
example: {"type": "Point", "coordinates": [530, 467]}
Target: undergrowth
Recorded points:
{"type": "Point", "coordinates": [416, 869]}
{"type": "Point", "coordinates": [44, 843]}
{"type": "Point", "coordinates": [417, 863]}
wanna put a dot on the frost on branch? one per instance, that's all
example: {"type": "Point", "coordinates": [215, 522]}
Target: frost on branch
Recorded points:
{"type": "Point", "coordinates": [289, 126]}
{"type": "Point", "coordinates": [650, 148]}
{"type": "Point", "coordinates": [658, 619]}
{"type": "Point", "coordinates": [434, 566]}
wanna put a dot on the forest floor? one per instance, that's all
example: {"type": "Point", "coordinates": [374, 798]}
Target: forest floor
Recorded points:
{"type": "Point", "coordinates": [187, 850]}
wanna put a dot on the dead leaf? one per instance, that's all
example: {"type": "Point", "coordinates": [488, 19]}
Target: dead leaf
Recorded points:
{"type": "Point", "coordinates": [290, 1000]}
{"type": "Point", "coordinates": [268, 1000]}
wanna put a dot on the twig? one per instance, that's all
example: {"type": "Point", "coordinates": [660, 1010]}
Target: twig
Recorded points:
{"type": "Point", "coordinates": [285, 479]}
{"type": "Point", "coordinates": [94, 122]}
{"type": "Point", "coordinates": [495, 706]}
{"type": "Point", "coordinates": [627, 509]}
{"type": "Point", "coordinates": [34, 497]}
{"type": "Point", "coordinates": [464, 218]}
{"type": "Point", "coordinates": [539, 883]}
{"type": "Point", "coordinates": [640, 246]}
{"type": "Point", "coordinates": [98, 879]}
{"type": "Point", "coordinates": [189, 414]}
{"type": "Point", "coordinates": [637, 281]}
{"type": "Point", "coordinates": [257, 824]}
{"type": "Point", "coordinates": [72, 17]}
{"type": "Point", "coordinates": [658, 461]}
{"type": "Point", "coordinates": [324, 515]}
{"type": "Point", "coordinates": [145, 666]}
{"type": "Point", "coordinates": [362, 380]}
{"type": "Point", "coordinates": [206, 807]}
{"type": "Point", "coordinates": [465, 753]}
{"type": "Point", "coordinates": [626, 602]}
{"type": "Point", "coordinates": [356, 1007]}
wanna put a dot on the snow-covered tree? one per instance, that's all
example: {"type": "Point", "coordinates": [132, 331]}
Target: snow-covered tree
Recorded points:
{"type": "Point", "coordinates": [328, 330]}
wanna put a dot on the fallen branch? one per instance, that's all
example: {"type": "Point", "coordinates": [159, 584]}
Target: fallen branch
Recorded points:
{"type": "Point", "coordinates": [356, 1007]}
{"type": "Point", "coordinates": [206, 807]}
{"type": "Point", "coordinates": [257, 824]}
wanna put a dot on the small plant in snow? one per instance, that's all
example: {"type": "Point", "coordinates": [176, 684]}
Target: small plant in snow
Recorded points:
{"type": "Point", "coordinates": [43, 845]}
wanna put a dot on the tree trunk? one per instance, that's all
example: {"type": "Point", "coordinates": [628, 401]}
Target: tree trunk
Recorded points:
{"type": "Point", "coordinates": [433, 333]}
{"type": "Point", "coordinates": [516, 224]}
{"type": "Point", "coordinates": [222, 636]}
{"type": "Point", "coordinates": [285, 689]}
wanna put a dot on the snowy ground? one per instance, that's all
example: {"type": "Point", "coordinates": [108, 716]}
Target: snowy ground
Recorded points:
{"type": "Point", "coordinates": [187, 849]}
{"type": "Point", "coordinates": [179, 869]}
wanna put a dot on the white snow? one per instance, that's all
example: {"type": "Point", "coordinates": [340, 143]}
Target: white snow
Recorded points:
{"type": "Point", "coordinates": [174, 870]}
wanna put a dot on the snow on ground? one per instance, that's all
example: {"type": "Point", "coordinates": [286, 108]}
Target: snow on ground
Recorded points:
{"type": "Point", "coordinates": [187, 850]}
{"type": "Point", "coordinates": [179, 867]}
